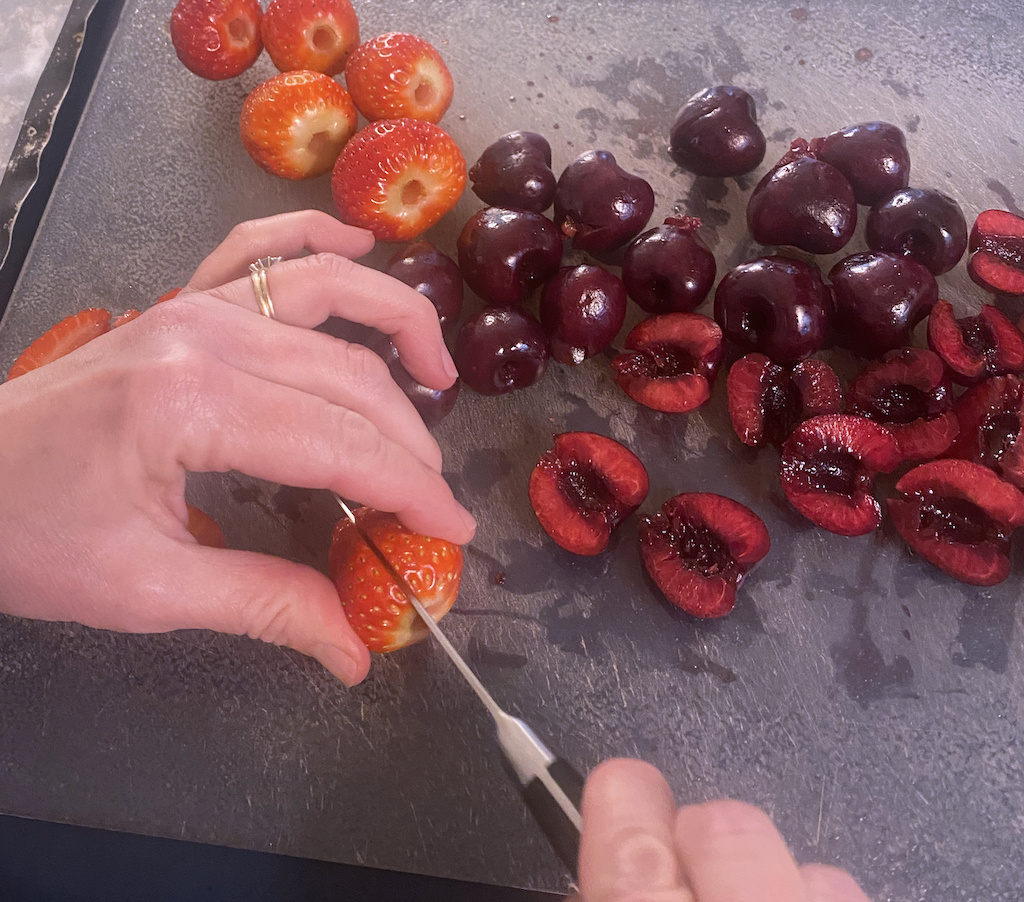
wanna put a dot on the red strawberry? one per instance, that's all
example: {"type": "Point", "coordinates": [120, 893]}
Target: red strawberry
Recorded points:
{"type": "Point", "coordinates": [377, 609]}
{"type": "Point", "coordinates": [204, 528]}
{"type": "Point", "coordinates": [310, 34]}
{"type": "Point", "coordinates": [125, 317]}
{"type": "Point", "coordinates": [217, 39]}
{"type": "Point", "coordinates": [397, 177]}
{"type": "Point", "coordinates": [398, 75]}
{"type": "Point", "coordinates": [68, 335]}
{"type": "Point", "coordinates": [295, 124]}
{"type": "Point", "coordinates": [168, 295]}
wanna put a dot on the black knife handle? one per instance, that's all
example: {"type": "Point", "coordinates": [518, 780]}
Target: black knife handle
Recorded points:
{"type": "Point", "coordinates": [559, 829]}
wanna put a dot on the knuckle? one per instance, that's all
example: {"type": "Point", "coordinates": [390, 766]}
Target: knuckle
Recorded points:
{"type": "Point", "coordinates": [364, 366]}
{"type": "Point", "coordinates": [332, 267]}
{"type": "Point", "coordinates": [727, 822]}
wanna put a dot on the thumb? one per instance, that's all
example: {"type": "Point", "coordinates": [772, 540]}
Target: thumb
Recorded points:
{"type": "Point", "coordinates": [271, 599]}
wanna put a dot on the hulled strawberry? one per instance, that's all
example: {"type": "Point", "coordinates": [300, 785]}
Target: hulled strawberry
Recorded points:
{"type": "Point", "coordinates": [374, 604]}
{"type": "Point", "coordinates": [397, 177]}
{"type": "Point", "coordinates": [398, 75]}
{"type": "Point", "coordinates": [310, 34]}
{"type": "Point", "coordinates": [217, 39]}
{"type": "Point", "coordinates": [295, 124]}
{"type": "Point", "coordinates": [66, 336]}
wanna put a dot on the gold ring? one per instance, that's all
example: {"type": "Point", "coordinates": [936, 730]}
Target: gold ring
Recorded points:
{"type": "Point", "coordinates": [258, 276]}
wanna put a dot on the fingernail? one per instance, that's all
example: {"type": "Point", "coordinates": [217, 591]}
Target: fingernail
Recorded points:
{"type": "Point", "coordinates": [342, 663]}
{"type": "Point", "coordinates": [448, 364]}
{"type": "Point", "coordinates": [468, 519]}
{"type": "Point", "coordinates": [644, 863]}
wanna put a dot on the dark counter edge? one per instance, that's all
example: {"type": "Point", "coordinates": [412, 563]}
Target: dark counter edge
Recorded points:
{"type": "Point", "coordinates": [41, 860]}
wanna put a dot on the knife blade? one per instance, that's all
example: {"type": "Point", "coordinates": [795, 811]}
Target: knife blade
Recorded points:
{"type": "Point", "coordinates": [551, 787]}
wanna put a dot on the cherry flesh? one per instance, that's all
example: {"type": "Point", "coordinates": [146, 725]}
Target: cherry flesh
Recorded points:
{"type": "Point", "coordinates": [991, 417]}
{"type": "Point", "coordinates": [975, 347]}
{"type": "Point", "coordinates": [996, 244]}
{"type": "Point", "coordinates": [715, 133]}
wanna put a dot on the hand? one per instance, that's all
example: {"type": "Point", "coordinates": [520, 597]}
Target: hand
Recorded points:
{"type": "Point", "coordinates": [97, 444]}
{"type": "Point", "coordinates": [636, 846]}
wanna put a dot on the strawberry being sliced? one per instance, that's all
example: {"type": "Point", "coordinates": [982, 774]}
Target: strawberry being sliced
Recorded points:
{"type": "Point", "coordinates": [295, 124]}
{"type": "Point", "coordinates": [398, 75]}
{"type": "Point", "coordinates": [310, 34]}
{"type": "Point", "coordinates": [217, 39]}
{"type": "Point", "coordinates": [397, 177]}
{"type": "Point", "coordinates": [68, 335]}
{"type": "Point", "coordinates": [377, 609]}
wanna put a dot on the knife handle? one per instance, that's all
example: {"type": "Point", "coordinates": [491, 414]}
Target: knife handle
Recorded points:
{"type": "Point", "coordinates": [559, 829]}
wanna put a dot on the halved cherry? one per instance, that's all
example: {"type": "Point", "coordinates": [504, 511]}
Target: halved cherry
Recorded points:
{"type": "Point", "coordinates": [671, 361]}
{"type": "Point", "coordinates": [908, 392]}
{"type": "Point", "coordinates": [959, 516]}
{"type": "Point", "coordinates": [828, 469]}
{"type": "Point", "coordinates": [996, 245]}
{"type": "Point", "coordinates": [584, 487]}
{"type": "Point", "coordinates": [991, 417]}
{"type": "Point", "coordinates": [767, 400]}
{"type": "Point", "coordinates": [698, 549]}
{"type": "Point", "coordinates": [975, 347]}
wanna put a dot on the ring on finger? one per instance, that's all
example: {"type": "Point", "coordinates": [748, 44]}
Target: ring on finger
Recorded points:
{"type": "Point", "coordinates": [258, 276]}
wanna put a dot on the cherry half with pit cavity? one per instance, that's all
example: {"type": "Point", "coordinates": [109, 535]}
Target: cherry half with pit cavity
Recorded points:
{"type": "Point", "coordinates": [996, 245]}
{"type": "Point", "coordinates": [829, 464]}
{"type": "Point", "coordinates": [583, 488]}
{"type": "Point", "coordinates": [699, 547]}
{"type": "Point", "coordinates": [975, 347]}
{"type": "Point", "coordinates": [991, 417]}
{"type": "Point", "coordinates": [959, 516]}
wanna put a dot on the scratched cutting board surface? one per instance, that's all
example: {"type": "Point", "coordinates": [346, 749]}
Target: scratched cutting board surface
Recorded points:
{"type": "Point", "coordinates": [872, 705]}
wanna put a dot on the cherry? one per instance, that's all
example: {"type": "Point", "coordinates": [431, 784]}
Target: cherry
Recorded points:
{"type": "Point", "coordinates": [431, 273]}
{"type": "Point", "coordinates": [975, 347]}
{"type": "Point", "coordinates": [501, 349]}
{"type": "Point", "coordinates": [909, 392]}
{"type": "Point", "coordinates": [669, 268]}
{"type": "Point", "coordinates": [828, 468]}
{"type": "Point", "coordinates": [991, 417]}
{"type": "Point", "coordinates": [804, 202]}
{"type": "Point", "coordinates": [698, 549]}
{"type": "Point", "coordinates": [582, 309]}
{"type": "Point", "coordinates": [767, 401]}
{"type": "Point", "coordinates": [872, 155]}
{"type": "Point", "coordinates": [515, 171]}
{"type": "Point", "coordinates": [921, 223]}
{"type": "Point", "coordinates": [878, 299]}
{"type": "Point", "coordinates": [716, 133]}
{"type": "Point", "coordinates": [670, 361]}
{"type": "Point", "coordinates": [959, 516]}
{"type": "Point", "coordinates": [432, 404]}
{"type": "Point", "coordinates": [505, 254]}
{"type": "Point", "coordinates": [599, 205]}
{"type": "Point", "coordinates": [775, 305]}
{"type": "Point", "coordinates": [583, 488]}
{"type": "Point", "coordinates": [997, 252]}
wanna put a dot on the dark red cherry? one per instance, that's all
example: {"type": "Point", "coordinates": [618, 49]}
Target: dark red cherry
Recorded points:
{"type": "Point", "coordinates": [505, 254]}
{"type": "Point", "coordinates": [583, 488]}
{"type": "Point", "coordinates": [669, 268]}
{"type": "Point", "coordinates": [921, 223]}
{"type": "Point", "coordinates": [872, 155]}
{"type": "Point", "coordinates": [582, 309]}
{"type": "Point", "coordinates": [878, 299]}
{"type": "Point", "coordinates": [515, 171]}
{"type": "Point", "coordinates": [775, 305]}
{"type": "Point", "coordinates": [501, 349]}
{"type": "Point", "coordinates": [975, 347]}
{"type": "Point", "coordinates": [699, 547]}
{"type": "Point", "coordinates": [431, 273]}
{"type": "Point", "coordinates": [716, 133]}
{"type": "Point", "coordinates": [432, 404]}
{"type": "Point", "coordinates": [803, 202]}
{"type": "Point", "coordinates": [599, 205]}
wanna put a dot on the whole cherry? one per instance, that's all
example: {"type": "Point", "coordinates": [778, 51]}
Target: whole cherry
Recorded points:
{"type": "Point", "coordinates": [716, 133]}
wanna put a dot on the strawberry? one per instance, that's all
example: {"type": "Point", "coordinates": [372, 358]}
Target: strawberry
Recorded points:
{"type": "Point", "coordinates": [397, 177]}
{"type": "Point", "coordinates": [68, 335]}
{"type": "Point", "coordinates": [310, 34]}
{"type": "Point", "coordinates": [295, 124]}
{"type": "Point", "coordinates": [217, 39]}
{"type": "Point", "coordinates": [168, 295]}
{"type": "Point", "coordinates": [398, 75]}
{"type": "Point", "coordinates": [377, 609]}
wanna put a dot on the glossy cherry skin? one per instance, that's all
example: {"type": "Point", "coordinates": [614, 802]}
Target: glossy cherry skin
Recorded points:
{"type": "Point", "coordinates": [501, 349]}
{"type": "Point", "coordinates": [582, 309]}
{"type": "Point", "coordinates": [515, 171]}
{"type": "Point", "coordinates": [872, 155]}
{"type": "Point", "coordinates": [716, 133]}
{"type": "Point", "coordinates": [599, 205]}
{"type": "Point", "coordinates": [669, 268]}
{"type": "Point", "coordinates": [505, 254]}
{"type": "Point", "coordinates": [432, 404]}
{"type": "Point", "coordinates": [434, 274]}
{"type": "Point", "coordinates": [878, 299]}
{"type": "Point", "coordinates": [921, 223]}
{"type": "Point", "coordinates": [775, 305]}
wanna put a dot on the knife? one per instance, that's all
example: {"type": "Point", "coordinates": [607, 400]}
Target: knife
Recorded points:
{"type": "Point", "coordinates": [550, 786]}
